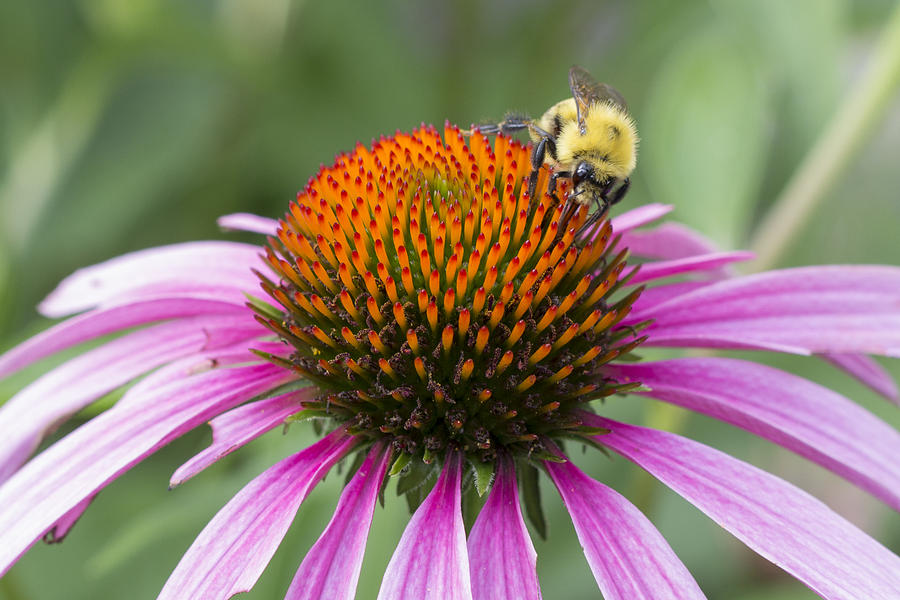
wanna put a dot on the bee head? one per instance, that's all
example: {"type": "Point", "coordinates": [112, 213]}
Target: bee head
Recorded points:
{"type": "Point", "coordinates": [584, 171]}
{"type": "Point", "coordinates": [588, 182]}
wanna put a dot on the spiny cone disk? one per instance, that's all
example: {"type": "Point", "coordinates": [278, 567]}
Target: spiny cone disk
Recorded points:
{"type": "Point", "coordinates": [436, 305]}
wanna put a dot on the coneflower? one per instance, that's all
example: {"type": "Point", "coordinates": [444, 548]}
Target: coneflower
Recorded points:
{"type": "Point", "coordinates": [443, 329]}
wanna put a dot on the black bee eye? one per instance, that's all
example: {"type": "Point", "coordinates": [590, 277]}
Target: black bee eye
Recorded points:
{"type": "Point", "coordinates": [582, 171]}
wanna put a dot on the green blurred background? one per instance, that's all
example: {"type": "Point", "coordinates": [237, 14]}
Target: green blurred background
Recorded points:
{"type": "Point", "coordinates": [128, 124]}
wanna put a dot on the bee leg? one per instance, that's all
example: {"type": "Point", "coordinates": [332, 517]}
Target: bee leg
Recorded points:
{"type": "Point", "coordinates": [568, 212]}
{"type": "Point", "coordinates": [619, 193]}
{"type": "Point", "coordinates": [551, 187]}
{"type": "Point", "coordinates": [484, 129]}
{"type": "Point", "coordinates": [509, 125]}
{"type": "Point", "coordinates": [591, 220]}
{"type": "Point", "coordinates": [537, 159]}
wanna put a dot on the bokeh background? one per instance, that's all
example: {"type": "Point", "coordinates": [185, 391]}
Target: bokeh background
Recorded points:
{"type": "Point", "coordinates": [128, 124]}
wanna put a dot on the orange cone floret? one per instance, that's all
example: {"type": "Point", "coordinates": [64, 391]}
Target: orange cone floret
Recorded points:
{"type": "Point", "coordinates": [436, 305]}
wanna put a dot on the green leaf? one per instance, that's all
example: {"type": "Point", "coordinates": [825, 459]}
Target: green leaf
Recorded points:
{"type": "Point", "coordinates": [531, 495]}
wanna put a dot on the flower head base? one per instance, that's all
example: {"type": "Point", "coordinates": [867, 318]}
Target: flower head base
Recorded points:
{"type": "Point", "coordinates": [438, 306]}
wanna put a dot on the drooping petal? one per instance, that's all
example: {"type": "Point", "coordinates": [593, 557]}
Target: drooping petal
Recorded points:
{"type": "Point", "coordinates": [502, 559]}
{"type": "Point", "coordinates": [77, 466]}
{"type": "Point", "coordinates": [331, 567]}
{"type": "Point", "coordinates": [431, 562]}
{"type": "Point", "coordinates": [180, 266]}
{"type": "Point", "coordinates": [669, 241]}
{"type": "Point", "coordinates": [868, 371]}
{"type": "Point", "coordinates": [39, 408]}
{"type": "Point", "coordinates": [832, 309]}
{"type": "Point", "coordinates": [639, 216]}
{"type": "Point", "coordinates": [629, 557]}
{"type": "Point", "coordinates": [800, 415]}
{"type": "Point", "coordinates": [234, 548]}
{"type": "Point", "coordinates": [703, 263]}
{"type": "Point", "coordinates": [61, 528]}
{"type": "Point", "coordinates": [190, 366]}
{"type": "Point", "coordinates": [104, 321]}
{"type": "Point", "coordinates": [653, 296]}
{"type": "Point", "coordinates": [239, 426]}
{"type": "Point", "coordinates": [779, 521]}
{"type": "Point", "coordinates": [248, 222]}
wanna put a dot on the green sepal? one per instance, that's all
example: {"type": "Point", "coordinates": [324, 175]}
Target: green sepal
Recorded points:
{"type": "Point", "coordinates": [306, 414]}
{"type": "Point", "coordinates": [385, 480]}
{"type": "Point", "coordinates": [263, 308]}
{"type": "Point", "coordinates": [472, 501]}
{"type": "Point", "coordinates": [415, 476]}
{"type": "Point", "coordinates": [417, 482]}
{"type": "Point", "coordinates": [548, 456]}
{"type": "Point", "coordinates": [531, 495]}
{"type": "Point", "coordinates": [587, 430]}
{"type": "Point", "coordinates": [484, 476]}
{"type": "Point", "coordinates": [399, 464]}
{"type": "Point", "coordinates": [588, 440]}
{"type": "Point", "coordinates": [415, 498]}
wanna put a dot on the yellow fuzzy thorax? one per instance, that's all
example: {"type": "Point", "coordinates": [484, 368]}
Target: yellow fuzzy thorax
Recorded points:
{"type": "Point", "coordinates": [609, 142]}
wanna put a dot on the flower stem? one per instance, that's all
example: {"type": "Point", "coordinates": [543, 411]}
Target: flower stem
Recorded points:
{"type": "Point", "coordinates": [838, 144]}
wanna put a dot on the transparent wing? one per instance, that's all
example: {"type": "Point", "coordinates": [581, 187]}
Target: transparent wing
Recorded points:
{"type": "Point", "coordinates": [586, 91]}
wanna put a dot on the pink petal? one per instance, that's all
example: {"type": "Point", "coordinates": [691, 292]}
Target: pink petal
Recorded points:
{"type": "Point", "coordinates": [501, 556]}
{"type": "Point", "coordinates": [639, 216]}
{"type": "Point", "coordinates": [190, 264]}
{"type": "Point", "coordinates": [669, 241]}
{"type": "Point", "coordinates": [836, 309]}
{"type": "Point", "coordinates": [239, 426]}
{"type": "Point", "coordinates": [868, 371]}
{"type": "Point", "coordinates": [111, 320]}
{"type": "Point", "coordinates": [191, 366]}
{"type": "Point", "coordinates": [248, 222]}
{"type": "Point", "coordinates": [630, 559]}
{"type": "Point", "coordinates": [654, 296]}
{"type": "Point", "coordinates": [779, 521]}
{"type": "Point", "coordinates": [331, 567]}
{"type": "Point", "coordinates": [430, 562]}
{"type": "Point", "coordinates": [76, 467]}
{"type": "Point", "coordinates": [39, 408]}
{"type": "Point", "coordinates": [234, 548]}
{"type": "Point", "coordinates": [708, 264]}
{"type": "Point", "coordinates": [800, 415]}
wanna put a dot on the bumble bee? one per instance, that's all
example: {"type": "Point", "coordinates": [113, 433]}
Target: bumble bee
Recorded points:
{"type": "Point", "coordinates": [588, 138]}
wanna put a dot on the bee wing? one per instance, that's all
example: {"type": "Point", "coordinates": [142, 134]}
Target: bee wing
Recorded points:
{"type": "Point", "coordinates": [586, 91]}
